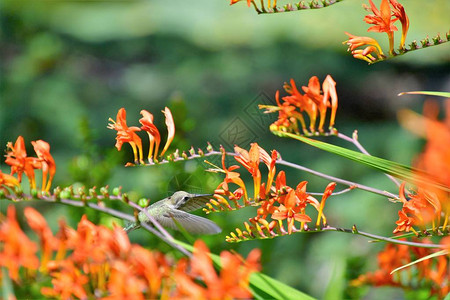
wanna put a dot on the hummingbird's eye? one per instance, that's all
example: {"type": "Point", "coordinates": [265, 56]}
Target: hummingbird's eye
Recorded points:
{"type": "Point", "coordinates": [185, 198]}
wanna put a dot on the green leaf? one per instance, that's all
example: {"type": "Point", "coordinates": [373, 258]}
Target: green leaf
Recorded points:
{"type": "Point", "coordinates": [261, 285]}
{"type": "Point", "coordinates": [439, 253]}
{"type": "Point", "coordinates": [395, 169]}
{"type": "Point", "coordinates": [437, 94]}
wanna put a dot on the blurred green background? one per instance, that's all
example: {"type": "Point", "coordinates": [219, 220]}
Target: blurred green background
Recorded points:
{"type": "Point", "coordinates": [67, 66]}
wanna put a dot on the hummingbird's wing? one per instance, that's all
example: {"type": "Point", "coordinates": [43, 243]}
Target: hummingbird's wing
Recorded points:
{"type": "Point", "coordinates": [193, 203]}
{"type": "Point", "coordinates": [192, 223]}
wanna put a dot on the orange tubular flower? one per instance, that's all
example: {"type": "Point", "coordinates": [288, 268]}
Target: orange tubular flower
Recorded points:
{"type": "Point", "coordinates": [303, 102]}
{"type": "Point", "coordinates": [48, 242]}
{"type": "Point", "coordinates": [16, 157]}
{"type": "Point", "coordinates": [236, 1]}
{"type": "Point", "coordinates": [399, 12]}
{"type": "Point", "coordinates": [291, 211]}
{"type": "Point", "coordinates": [170, 129]}
{"type": "Point", "coordinates": [127, 134]}
{"type": "Point", "coordinates": [382, 21]}
{"type": "Point", "coordinates": [233, 280]}
{"type": "Point", "coordinates": [8, 180]}
{"type": "Point", "coordinates": [42, 150]}
{"type": "Point", "coordinates": [328, 191]}
{"type": "Point", "coordinates": [153, 133]}
{"type": "Point", "coordinates": [16, 250]}
{"type": "Point", "coordinates": [250, 161]}
{"type": "Point", "coordinates": [365, 54]}
{"type": "Point", "coordinates": [329, 91]}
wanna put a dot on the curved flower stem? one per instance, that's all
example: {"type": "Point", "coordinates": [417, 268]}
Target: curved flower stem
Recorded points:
{"type": "Point", "coordinates": [354, 141]}
{"type": "Point", "coordinates": [380, 238]}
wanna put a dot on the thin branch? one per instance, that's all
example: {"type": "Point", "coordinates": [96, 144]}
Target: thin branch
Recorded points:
{"type": "Point", "coordinates": [338, 180]}
{"type": "Point", "coordinates": [381, 238]}
{"type": "Point", "coordinates": [354, 141]}
{"type": "Point", "coordinates": [352, 185]}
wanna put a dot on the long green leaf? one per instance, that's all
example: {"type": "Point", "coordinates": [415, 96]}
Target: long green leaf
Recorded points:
{"type": "Point", "coordinates": [439, 253]}
{"type": "Point", "coordinates": [403, 172]}
{"type": "Point", "coordinates": [438, 94]}
{"type": "Point", "coordinates": [263, 286]}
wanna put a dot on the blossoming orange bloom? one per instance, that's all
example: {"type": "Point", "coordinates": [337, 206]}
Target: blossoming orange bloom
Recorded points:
{"type": "Point", "coordinates": [48, 242]}
{"type": "Point", "coordinates": [16, 157]}
{"type": "Point", "coordinates": [233, 279]}
{"type": "Point", "coordinates": [372, 47]}
{"type": "Point", "coordinates": [399, 12]}
{"type": "Point", "coordinates": [290, 211]}
{"type": "Point", "coordinates": [170, 129]}
{"type": "Point", "coordinates": [42, 150]}
{"type": "Point", "coordinates": [16, 250]}
{"type": "Point", "coordinates": [127, 134]}
{"type": "Point", "coordinates": [329, 92]}
{"type": "Point", "coordinates": [328, 191]}
{"type": "Point", "coordinates": [424, 208]}
{"type": "Point", "coordinates": [303, 102]}
{"type": "Point", "coordinates": [250, 161]}
{"type": "Point", "coordinates": [382, 21]}
{"type": "Point", "coordinates": [404, 222]}
{"type": "Point", "coordinates": [153, 133]}
{"type": "Point", "coordinates": [236, 1]}
{"type": "Point", "coordinates": [67, 281]}
{"type": "Point", "coordinates": [232, 177]}
{"type": "Point", "coordinates": [8, 180]}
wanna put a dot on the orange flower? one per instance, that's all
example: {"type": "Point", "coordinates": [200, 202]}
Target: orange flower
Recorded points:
{"type": "Point", "coordinates": [329, 92]}
{"type": "Point", "coordinates": [290, 211]}
{"type": "Point", "coordinates": [48, 242]}
{"type": "Point", "coordinates": [67, 281]}
{"type": "Point", "coordinates": [399, 12]}
{"type": "Point", "coordinates": [303, 102]}
{"type": "Point", "coordinates": [16, 157]}
{"type": "Point", "coordinates": [153, 133]}
{"type": "Point", "coordinates": [365, 54]}
{"type": "Point", "coordinates": [328, 191]}
{"type": "Point", "coordinates": [231, 177]}
{"type": "Point", "coordinates": [233, 280]}
{"type": "Point", "coordinates": [127, 134]}
{"type": "Point", "coordinates": [8, 180]}
{"type": "Point", "coordinates": [16, 250]}
{"type": "Point", "coordinates": [404, 222]}
{"type": "Point", "coordinates": [423, 208]}
{"type": "Point", "coordinates": [236, 1]}
{"type": "Point", "coordinates": [382, 21]}
{"type": "Point", "coordinates": [250, 161]}
{"type": "Point", "coordinates": [42, 150]}
{"type": "Point", "coordinates": [170, 129]}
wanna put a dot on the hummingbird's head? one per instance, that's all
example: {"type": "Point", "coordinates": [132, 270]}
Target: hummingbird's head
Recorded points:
{"type": "Point", "coordinates": [181, 197]}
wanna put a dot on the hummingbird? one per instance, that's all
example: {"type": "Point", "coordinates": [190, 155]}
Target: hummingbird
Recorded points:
{"type": "Point", "coordinates": [176, 207]}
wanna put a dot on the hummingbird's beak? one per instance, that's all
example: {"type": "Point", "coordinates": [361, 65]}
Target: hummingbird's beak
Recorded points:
{"type": "Point", "coordinates": [202, 195]}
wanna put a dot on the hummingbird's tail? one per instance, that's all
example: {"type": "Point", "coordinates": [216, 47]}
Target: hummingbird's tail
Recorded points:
{"type": "Point", "coordinates": [131, 226]}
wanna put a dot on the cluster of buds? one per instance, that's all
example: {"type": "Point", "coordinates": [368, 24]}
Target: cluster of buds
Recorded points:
{"type": "Point", "coordinates": [314, 102]}
{"type": "Point", "coordinates": [276, 200]}
{"type": "Point", "coordinates": [271, 7]}
{"type": "Point", "coordinates": [383, 20]}
{"type": "Point", "coordinates": [97, 262]}
{"type": "Point", "coordinates": [128, 135]}
{"type": "Point", "coordinates": [16, 157]}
